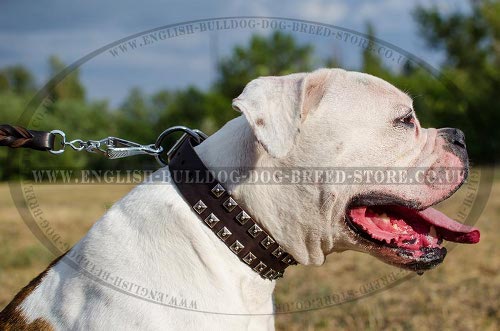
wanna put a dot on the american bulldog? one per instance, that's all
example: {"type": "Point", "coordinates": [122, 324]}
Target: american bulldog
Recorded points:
{"type": "Point", "coordinates": [153, 246]}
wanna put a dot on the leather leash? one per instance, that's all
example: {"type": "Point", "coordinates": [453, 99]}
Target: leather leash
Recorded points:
{"type": "Point", "coordinates": [16, 137]}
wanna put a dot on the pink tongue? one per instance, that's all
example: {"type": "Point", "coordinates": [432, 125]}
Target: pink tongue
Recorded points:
{"type": "Point", "coordinates": [448, 228]}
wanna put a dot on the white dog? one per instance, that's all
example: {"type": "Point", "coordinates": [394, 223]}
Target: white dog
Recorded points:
{"type": "Point", "coordinates": [150, 264]}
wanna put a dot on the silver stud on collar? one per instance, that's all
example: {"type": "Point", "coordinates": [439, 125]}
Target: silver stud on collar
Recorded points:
{"type": "Point", "coordinates": [229, 204]}
{"type": "Point", "coordinates": [200, 207]}
{"type": "Point", "coordinates": [255, 230]}
{"type": "Point", "coordinates": [289, 260]}
{"type": "Point", "coordinates": [260, 267]}
{"type": "Point", "coordinates": [270, 274]}
{"type": "Point", "coordinates": [242, 217]}
{"type": "Point", "coordinates": [224, 233]}
{"type": "Point", "coordinates": [211, 220]}
{"type": "Point", "coordinates": [218, 190]}
{"type": "Point", "coordinates": [236, 247]}
{"type": "Point", "coordinates": [278, 252]}
{"type": "Point", "coordinates": [249, 258]}
{"type": "Point", "coordinates": [266, 242]}
{"type": "Point", "coordinates": [279, 274]}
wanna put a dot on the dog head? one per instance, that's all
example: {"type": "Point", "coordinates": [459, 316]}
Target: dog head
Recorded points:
{"type": "Point", "coordinates": [387, 170]}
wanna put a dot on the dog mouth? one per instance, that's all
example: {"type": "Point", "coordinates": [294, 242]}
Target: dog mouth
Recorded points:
{"type": "Point", "coordinates": [414, 237]}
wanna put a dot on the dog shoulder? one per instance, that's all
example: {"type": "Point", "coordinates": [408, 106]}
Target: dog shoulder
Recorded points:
{"type": "Point", "coordinates": [14, 318]}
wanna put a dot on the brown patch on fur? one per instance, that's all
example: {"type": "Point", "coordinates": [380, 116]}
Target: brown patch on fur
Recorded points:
{"type": "Point", "coordinates": [260, 122]}
{"type": "Point", "coordinates": [313, 91]}
{"type": "Point", "coordinates": [20, 325]}
{"type": "Point", "coordinates": [12, 318]}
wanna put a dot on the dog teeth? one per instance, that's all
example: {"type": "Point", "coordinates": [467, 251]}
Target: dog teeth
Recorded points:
{"type": "Point", "coordinates": [433, 232]}
{"type": "Point", "coordinates": [384, 217]}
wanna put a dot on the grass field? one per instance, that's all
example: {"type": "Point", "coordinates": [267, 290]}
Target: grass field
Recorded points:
{"type": "Point", "coordinates": [461, 294]}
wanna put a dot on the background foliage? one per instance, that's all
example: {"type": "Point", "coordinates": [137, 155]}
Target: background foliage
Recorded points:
{"type": "Point", "coordinates": [471, 43]}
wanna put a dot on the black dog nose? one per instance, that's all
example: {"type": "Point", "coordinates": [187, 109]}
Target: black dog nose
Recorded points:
{"type": "Point", "coordinates": [454, 136]}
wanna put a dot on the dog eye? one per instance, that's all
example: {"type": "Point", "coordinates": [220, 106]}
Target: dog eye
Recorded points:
{"type": "Point", "coordinates": [408, 120]}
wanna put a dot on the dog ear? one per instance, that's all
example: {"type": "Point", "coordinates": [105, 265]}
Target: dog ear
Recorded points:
{"type": "Point", "coordinates": [276, 106]}
{"type": "Point", "coordinates": [313, 91]}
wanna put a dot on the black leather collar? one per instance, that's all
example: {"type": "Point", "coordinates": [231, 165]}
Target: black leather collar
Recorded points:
{"type": "Point", "coordinates": [216, 208]}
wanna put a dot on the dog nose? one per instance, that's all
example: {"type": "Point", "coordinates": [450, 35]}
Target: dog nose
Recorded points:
{"type": "Point", "coordinates": [453, 136]}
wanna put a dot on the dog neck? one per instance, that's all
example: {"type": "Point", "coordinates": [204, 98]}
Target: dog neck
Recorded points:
{"type": "Point", "coordinates": [235, 147]}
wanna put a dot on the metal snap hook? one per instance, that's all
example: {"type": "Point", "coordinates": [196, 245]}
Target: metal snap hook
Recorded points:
{"type": "Point", "coordinates": [114, 148]}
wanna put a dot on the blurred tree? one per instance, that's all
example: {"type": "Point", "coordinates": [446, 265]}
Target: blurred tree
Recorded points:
{"type": "Point", "coordinates": [278, 54]}
{"type": "Point", "coordinates": [464, 37]}
{"type": "Point", "coordinates": [4, 81]}
{"type": "Point", "coordinates": [11, 106]}
{"type": "Point", "coordinates": [371, 62]}
{"type": "Point", "coordinates": [187, 107]}
{"type": "Point", "coordinates": [70, 87]}
{"type": "Point", "coordinates": [218, 110]}
{"type": "Point", "coordinates": [471, 43]}
{"type": "Point", "coordinates": [135, 116]}
{"type": "Point", "coordinates": [17, 79]}
{"type": "Point", "coordinates": [333, 62]}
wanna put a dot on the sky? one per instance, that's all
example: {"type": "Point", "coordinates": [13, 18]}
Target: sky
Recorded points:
{"type": "Point", "coordinates": [32, 31]}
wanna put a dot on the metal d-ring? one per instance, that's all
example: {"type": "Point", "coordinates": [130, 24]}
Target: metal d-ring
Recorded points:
{"type": "Point", "coordinates": [77, 144]}
{"type": "Point", "coordinates": [197, 135]}
{"type": "Point", "coordinates": [63, 142]}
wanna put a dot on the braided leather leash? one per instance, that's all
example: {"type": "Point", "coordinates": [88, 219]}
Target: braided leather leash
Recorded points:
{"type": "Point", "coordinates": [111, 147]}
{"type": "Point", "coordinates": [16, 137]}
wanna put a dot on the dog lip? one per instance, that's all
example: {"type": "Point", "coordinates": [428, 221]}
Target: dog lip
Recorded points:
{"type": "Point", "coordinates": [430, 259]}
{"type": "Point", "coordinates": [378, 199]}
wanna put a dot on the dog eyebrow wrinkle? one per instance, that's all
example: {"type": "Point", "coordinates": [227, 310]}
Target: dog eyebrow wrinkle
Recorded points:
{"type": "Point", "coordinates": [403, 109]}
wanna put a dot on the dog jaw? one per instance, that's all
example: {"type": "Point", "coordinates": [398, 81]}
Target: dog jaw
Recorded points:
{"type": "Point", "coordinates": [352, 125]}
